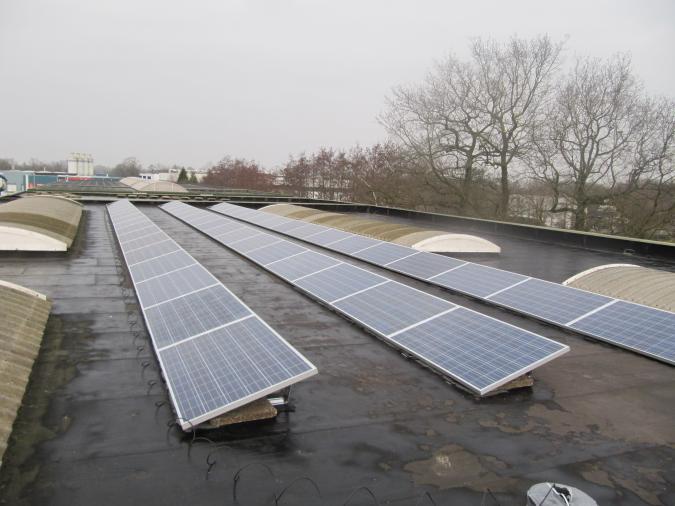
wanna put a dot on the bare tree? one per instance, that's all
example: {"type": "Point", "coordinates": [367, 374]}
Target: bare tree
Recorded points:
{"type": "Point", "coordinates": [238, 173]}
{"type": "Point", "coordinates": [384, 174]}
{"type": "Point", "coordinates": [475, 114]}
{"type": "Point", "coordinates": [441, 123]}
{"type": "Point", "coordinates": [295, 175]}
{"type": "Point", "coordinates": [582, 149]}
{"type": "Point", "coordinates": [128, 167]}
{"type": "Point", "coordinates": [647, 200]}
{"type": "Point", "coordinates": [515, 81]}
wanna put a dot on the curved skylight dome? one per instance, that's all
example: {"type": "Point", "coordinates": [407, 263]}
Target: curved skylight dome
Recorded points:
{"type": "Point", "coordinates": [25, 314]}
{"type": "Point", "coordinates": [143, 185]}
{"type": "Point", "coordinates": [651, 287]}
{"type": "Point", "coordinates": [419, 238]}
{"type": "Point", "coordinates": [40, 223]}
{"type": "Point", "coordinates": [161, 186]}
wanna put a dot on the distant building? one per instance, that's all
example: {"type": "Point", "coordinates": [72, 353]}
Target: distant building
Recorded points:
{"type": "Point", "coordinates": [81, 164]}
{"type": "Point", "coordinates": [171, 175]}
{"type": "Point", "coordinates": [316, 186]}
{"type": "Point", "coordinates": [18, 180]}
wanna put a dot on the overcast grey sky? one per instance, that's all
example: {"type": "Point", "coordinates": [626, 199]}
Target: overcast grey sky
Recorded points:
{"type": "Point", "coordinates": [189, 82]}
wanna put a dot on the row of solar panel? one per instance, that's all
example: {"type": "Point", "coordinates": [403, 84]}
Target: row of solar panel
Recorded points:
{"type": "Point", "coordinates": [215, 353]}
{"type": "Point", "coordinates": [480, 352]}
{"type": "Point", "coordinates": [636, 327]}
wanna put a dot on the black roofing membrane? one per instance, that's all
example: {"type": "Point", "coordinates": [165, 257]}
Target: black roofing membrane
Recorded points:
{"type": "Point", "coordinates": [93, 429]}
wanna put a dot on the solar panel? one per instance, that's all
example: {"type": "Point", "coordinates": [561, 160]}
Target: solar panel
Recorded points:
{"type": "Point", "coordinates": [423, 265]}
{"type": "Point", "coordinates": [306, 231]}
{"type": "Point", "coordinates": [477, 280]}
{"type": "Point", "coordinates": [244, 356]}
{"type": "Point", "coordinates": [352, 244]}
{"type": "Point", "coordinates": [174, 284]}
{"type": "Point", "coordinates": [550, 301]}
{"type": "Point", "coordinates": [564, 306]}
{"type": "Point", "coordinates": [237, 235]}
{"type": "Point", "coordinates": [297, 266]}
{"type": "Point", "coordinates": [223, 228]}
{"type": "Point", "coordinates": [275, 252]}
{"type": "Point", "coordinates": [482, 349]}
{"type": "Point", "coordinates": [171, 262]}
{"type": "Point", "coordinates": [290, 225]}
{"type": "Point", "coordinates": [339, 281]}
{"type": "Point", "coordinates": [383, 253]}
{"type": "Point", "coordinates": [255, 241]}
{"type": "Point", "coordinates": [635, 327]}
{"type": "Point", "coordinates": [193, 314]}
{"type": "Point", "coordinates": [328, 236]}
{"type": "Point", "coordinates": [135, 233]}
{"type": "Point", "coordinates": [150, 251]}
{"type": "Point", "coordinates": [390, 309]}
{"type": "Point", "coordinates": [215, 353]}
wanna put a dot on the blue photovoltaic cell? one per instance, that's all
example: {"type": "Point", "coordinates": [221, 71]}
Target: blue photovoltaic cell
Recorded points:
{"type": "Point", "coordinates": [263, 218]}
{"type": "Point", "coordinates": [152, 251]}
{"type": "Point", "coordinates": [308, 229]}
{"type": "Point", "coordinates": [482, 351]}
{"type": "Point", "coordinates": [135, 233]}
{"type": "Point", "coordinates": [384, 253]}
{"type": "Point", "coordinates": [192, 314]}
{"type": "Point", "coordinates": [290, 225]}
{"type": "Point", "coordinates": [550, 301]}
{"type": "Point", "coordinates": [328, 236]}
{"type": "Point", "coordinates": [282, 221]}
{"type": "Point", "coordinates": [255, 242]}
{"type": "Point", "coordinates": [274, 221]}
{"type": "Point", "coordinates": [237, 235]}
{"type": "Point", "coordinates": [301, 265]}
{"type": "Point", "coordinates": [230, 234]}
{"type": "Point", "coordinates": [204, 220]}
{"type": "Point", "coordinates": [143, 241]}
{"type": "Point", "coordinates": [219, 227]}
{"type": "Point", "coordinates": [209, 223]}
{"type": "Point", "coordinates": [133, 222]}
{"type": "Point", "coordinates": [477, 279]}
{"type": "Point", "coordinates": [228, 365]}
{"type": "Point", "coordinates": [640, 328]}
{"type": "Point", "coordinates": [240, 211]}
{"type": "Point", "coordinates": [338, 282]}
{"type": "Point", "coordinates": [223, 228]}
{"type": "Point", "coordinates": [424, 265]}
{"type": "Point", "coordinates": [167, 263]}
{"type": "Point", "coordinates": [386, 307]}
{"type": "Point", "coordinates": [392, 307]}
{"type": "Point", "coordinates": [174, 284]}
{"type": "Point", "coordinates": [275, 252]}
{"type": "Point", "coordinates": [352, 244]}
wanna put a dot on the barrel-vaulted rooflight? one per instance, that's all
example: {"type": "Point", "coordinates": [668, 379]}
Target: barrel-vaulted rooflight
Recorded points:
{"type": "Point", "coordinates": [39, 223]}
{"type": "Point", "coordinates": [421, 239]}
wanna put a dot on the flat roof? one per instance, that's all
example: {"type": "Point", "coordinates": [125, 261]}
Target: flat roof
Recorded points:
{"type": "Point", "coordinates": [91, 432]}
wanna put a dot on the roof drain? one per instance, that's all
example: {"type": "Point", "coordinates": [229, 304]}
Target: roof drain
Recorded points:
{"type": "Point", "coordinates": [555, 494]}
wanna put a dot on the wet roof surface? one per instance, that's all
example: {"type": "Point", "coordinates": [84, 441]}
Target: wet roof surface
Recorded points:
{"type": "Point", "coordinates": [553, 262]}
{"type": "Point", "coordinates": [90, 432]}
